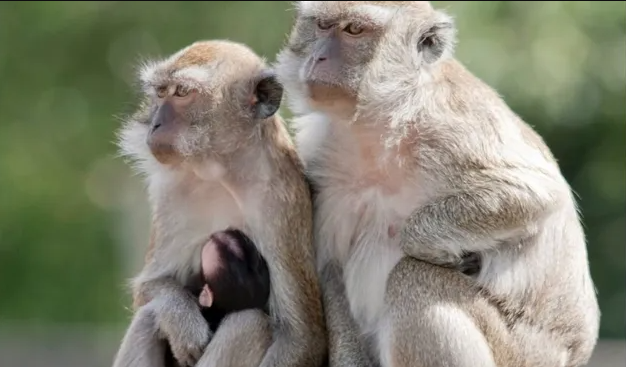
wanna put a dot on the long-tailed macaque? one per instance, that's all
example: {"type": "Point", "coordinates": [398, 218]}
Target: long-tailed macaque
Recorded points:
{"type": "Point", "coordinates": [420, 166]}
{"type": "Point", "coordinates": [215, 155]}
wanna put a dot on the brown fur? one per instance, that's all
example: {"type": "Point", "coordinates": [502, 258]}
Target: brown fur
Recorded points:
{"type": "Point", "coordinates": [199, 54]}
{"type": "Point", "coordinates": [425, 146]}
{"type": "Point", "coordinates": [230, 163]}
{"type": "Point", "coordinates": [138, 299]}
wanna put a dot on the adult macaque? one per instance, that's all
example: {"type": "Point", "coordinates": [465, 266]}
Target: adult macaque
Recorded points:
{"type": "Point", "coordinates": [413, 155]}
{"type": "Point", "coordinates": [216, 155]}
{"type": "Point", "coordinates": [234, 277]}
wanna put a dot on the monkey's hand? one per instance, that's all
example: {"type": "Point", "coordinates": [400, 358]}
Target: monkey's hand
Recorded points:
{"type": "Point", "coordinates": [182, 324]}
{"type": "Point", "coordinates": [177, 315]}
{"type": "Point", "coordinates": [470, 264]}
{"type": "Point", "coordinates": [491, 209]}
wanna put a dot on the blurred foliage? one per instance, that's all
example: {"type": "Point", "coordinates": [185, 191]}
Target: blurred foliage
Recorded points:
{"type": "Point", "coordinates": [561, 65]}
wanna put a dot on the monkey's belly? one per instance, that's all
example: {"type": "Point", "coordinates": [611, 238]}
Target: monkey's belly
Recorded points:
{"type": "Point", "coordinates": [365, 276]}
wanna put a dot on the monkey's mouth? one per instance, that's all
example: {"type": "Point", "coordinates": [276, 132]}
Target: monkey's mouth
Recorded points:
{"type": "Point", "coordinates": [322, 83]}
{"type": "Point", "coordinates": [166, 154]}
{"type": "Point", "coordinates": [319, 84]}
{"type": "Point", "coordinates": [308, 78]}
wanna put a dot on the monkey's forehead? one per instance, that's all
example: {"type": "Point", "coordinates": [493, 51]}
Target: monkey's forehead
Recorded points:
{"type": "Point", "coordinates": [375, 10]}
{"type": "Point", "coordinates": [202, 64]}
{"type": "Point", "coordinates": [155, 74]}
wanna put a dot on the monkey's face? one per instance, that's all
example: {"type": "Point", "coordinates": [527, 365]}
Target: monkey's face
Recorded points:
{"type": "Point", "coordinates": [176, 116]}
{"type": "Point", "coordinates": [341, 50]}
{"type": "Point", "coordinates": [197, 104]}
{"type": "Point", "coordinates": [328, 51]}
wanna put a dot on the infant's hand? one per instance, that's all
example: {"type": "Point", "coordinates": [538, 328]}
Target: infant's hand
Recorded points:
{"type": "Point", "coordinates": [206, 297]}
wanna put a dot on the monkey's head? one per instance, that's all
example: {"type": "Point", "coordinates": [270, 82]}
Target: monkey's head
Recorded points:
{"type": "Point", "coordinates": [236, 275]}
{"type": "Point", "coordinates": [207, 99]}
{"type": "Point", "coordinates": [340, 52]}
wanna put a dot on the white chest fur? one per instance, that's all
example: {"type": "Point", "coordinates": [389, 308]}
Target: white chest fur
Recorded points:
{"type": "Point", "coordinates": [359, 213]}
{"type": "Point", "coordinates": [190, 209]}
{"type": "Point", "coordinates": [357, 229]}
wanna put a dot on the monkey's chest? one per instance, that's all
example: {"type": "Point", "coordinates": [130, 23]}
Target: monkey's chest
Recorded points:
{"type": "Point", "coordinates": [359, 214]}
{"type": "Point", "coordinates": [372, 258]}
{"type": "Point", "coordinates": [366, 239]}
{"type": "Point", "coordinates": [190, 224]}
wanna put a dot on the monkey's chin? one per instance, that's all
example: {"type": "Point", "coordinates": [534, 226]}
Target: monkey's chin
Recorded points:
{"type": "Point", "coordinates": [170, 158]}
{"type": "Point", "coordinates": [322, 90]}
{"type": "Point", "coordinates": [332, 99]}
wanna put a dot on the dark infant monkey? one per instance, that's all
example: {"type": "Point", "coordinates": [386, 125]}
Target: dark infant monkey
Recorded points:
{"type": "Point", "coordinates": [234, 277]}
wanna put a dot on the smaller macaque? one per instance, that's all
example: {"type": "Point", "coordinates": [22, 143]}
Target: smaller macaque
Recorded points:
{"type": "Point", "coordinates": [215, 154]}
{"type": "Point", "coordinates": [418, 166]}
{"type": "Point", "coordinates": [234, 277]}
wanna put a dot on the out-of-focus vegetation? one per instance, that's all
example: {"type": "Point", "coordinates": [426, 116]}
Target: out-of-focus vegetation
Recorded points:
{"type": "Point", "coordinates": [73, 219]}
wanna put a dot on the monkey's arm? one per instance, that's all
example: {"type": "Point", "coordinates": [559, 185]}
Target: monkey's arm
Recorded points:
{"type": "Point", "coordinates": [176, 312]}
{"type": "Point", "coordinates": [490, 207]}
{"type": "Point", "coordinates": [344, 345]}
{"type": "Point", "coordinates": [295, 300]}
{"type": "Point", "coordinates": [156, 279]}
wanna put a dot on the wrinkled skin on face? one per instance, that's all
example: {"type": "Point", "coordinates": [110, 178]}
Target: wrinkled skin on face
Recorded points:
{"type": "Point", "coordinates": [337, 50]}
{"type": "Point", "coordinates": [196, 106]}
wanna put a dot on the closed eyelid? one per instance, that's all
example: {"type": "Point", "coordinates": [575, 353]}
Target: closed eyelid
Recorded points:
{"type": "Point", "coordinates": [364, 22]}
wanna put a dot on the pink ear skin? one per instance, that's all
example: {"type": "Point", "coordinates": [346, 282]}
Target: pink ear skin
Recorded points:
{"type": "Point", "coordinates": [206, 297]}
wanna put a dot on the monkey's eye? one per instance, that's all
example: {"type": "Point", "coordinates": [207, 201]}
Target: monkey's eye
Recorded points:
{"type": "Point", "coordinates": [353, 29]}
{"type": "Point", "coordinates": [161, 92]}
{"type": "Point", "coordinates": [181, 91]}
{"type": "Point", "coordinates": [323, 25]}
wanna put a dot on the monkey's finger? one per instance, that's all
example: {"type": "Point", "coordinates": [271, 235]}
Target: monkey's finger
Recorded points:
{"type": "Point", "coordinates": [470, 263]}
{"type": "Point", "coordinates": [196, 354]}
{"type": "Point", "coordinates": [187, 357]}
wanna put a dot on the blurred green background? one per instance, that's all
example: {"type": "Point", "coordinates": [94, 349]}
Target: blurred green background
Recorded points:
{"type": "Point", "coordinates": [74, 219]}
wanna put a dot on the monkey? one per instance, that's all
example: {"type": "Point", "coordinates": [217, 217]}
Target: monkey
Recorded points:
{"type": "Point", "coordinates": [215, 154]}
{"type": "Point", "coordinates": [419, 166]}
{"type": "Point", "coordinates": [234, 277]}
{"type": "Point", "coordinates": [143, 343]}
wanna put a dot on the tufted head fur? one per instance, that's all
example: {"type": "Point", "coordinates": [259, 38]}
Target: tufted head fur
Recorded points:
{"type": "Point", "coordinates": [198, 103]}
{"type": "Point", "coordinates": [337, 49]}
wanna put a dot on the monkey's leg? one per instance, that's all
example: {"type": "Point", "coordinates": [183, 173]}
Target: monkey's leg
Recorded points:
{"type": "Point", "coordinates": [241, 340]}
{"type": "Point", "coordinates": [430, 321]}
{"type": "Point", "coordinates": [345, 348]}
{"type": "Point", "coordinates": [141, 346]}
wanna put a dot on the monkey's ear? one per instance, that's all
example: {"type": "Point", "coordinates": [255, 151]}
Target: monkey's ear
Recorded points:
{"type": "Point", "coordinates": [268, 95]}
{"type": "Point", "coordinates": [439, 39]}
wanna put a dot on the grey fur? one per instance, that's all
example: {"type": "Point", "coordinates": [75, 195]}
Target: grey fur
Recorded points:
{"type": "Point", "coordinates": [226, 163]}
{"type": "Point", "coordinates": [422, 169]}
